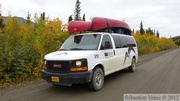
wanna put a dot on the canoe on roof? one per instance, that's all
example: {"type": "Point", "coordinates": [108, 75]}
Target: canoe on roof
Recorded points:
{"type": "Point", "coordinates": [110, 25]}
{"type": "Point", "coordinates": [78, 26]}
{"type": "Point", "coordinates": [101, 23]}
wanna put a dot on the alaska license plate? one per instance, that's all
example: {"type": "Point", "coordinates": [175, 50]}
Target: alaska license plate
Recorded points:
{"type": "Point", "coordinates": [55, 79]}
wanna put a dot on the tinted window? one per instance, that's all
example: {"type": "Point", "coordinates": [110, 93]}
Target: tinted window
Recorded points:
{"type": "Point", "coordinates": [119, 41]}
{"type": "Point", "coordinates": [122, 41]}
{"type": "Point", "coordinates": [130, 41]}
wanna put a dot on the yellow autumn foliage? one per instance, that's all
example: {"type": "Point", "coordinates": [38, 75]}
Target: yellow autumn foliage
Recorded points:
{"type": "Point", "coordinates": [1, 31]}
{"type": "Point", "coordinates": [177, 42]}
{"type": "Point", "coordinates": [148, 43]}
{"type": "Point", "coordinates": [23, 46]}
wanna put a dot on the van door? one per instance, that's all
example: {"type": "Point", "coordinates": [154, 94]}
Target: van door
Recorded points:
{"type": "Point", "coordinates": [108, 54]}
{"type": "Point", "coordinates": [121, 49]}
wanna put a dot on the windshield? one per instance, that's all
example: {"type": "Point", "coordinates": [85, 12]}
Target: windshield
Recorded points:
{"type": "Point", "coordinates": [82, 42]}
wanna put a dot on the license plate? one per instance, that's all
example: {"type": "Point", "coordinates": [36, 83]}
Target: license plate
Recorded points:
{"type": "Point", "coordinates": [55, 79]}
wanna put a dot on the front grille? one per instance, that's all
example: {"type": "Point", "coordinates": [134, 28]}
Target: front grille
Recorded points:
{"type": "Point", "coordinates": [58, 66]}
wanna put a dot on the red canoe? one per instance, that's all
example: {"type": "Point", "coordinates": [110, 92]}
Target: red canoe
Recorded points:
{"type": "Point", "coordinates": [78, 26]}
{"type": "Point", "coordinates": [101, 23]}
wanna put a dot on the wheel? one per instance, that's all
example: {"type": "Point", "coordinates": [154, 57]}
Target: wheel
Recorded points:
{"type": "Point", "coordinates": [97, 81]}
{"type": "Point", "coordinates": [132, 68]}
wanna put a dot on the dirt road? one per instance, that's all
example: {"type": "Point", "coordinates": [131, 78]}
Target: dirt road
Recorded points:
{"type": "Point", "coordinates": [156, 73]}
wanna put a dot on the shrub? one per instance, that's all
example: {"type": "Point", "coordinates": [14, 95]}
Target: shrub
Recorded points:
{"type": "Point", "coordinates": [149, 43]}
{"type": "Point", "coordinates": [24, 46]}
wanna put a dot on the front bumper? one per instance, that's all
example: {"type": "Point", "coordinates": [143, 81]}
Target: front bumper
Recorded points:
{"type": "Point", "coordinates": [67, 79]}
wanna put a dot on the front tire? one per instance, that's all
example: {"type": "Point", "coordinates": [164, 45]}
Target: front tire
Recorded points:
{"type": "Point", "coordinates": [132, 68]}
{"type": "Point", "coordinates": [97, 81]}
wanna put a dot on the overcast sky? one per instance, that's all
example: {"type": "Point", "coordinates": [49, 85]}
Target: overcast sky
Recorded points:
{"type": "Point", "coordinates": [161, 15]}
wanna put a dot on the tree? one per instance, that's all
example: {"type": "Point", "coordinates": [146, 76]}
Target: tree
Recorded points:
{"type": "Point", "coordinates": [141, 28]}
{"type": "Point", "coordinates": [12, 26]}
{"type": "Point", "coordinates": [133, 31]}
{"type": "Point", "coordinates": [84, 18]}
{"type": "Point", "coordinates": [1, 24]}
{"type": "Point", "coordinates": [43, 16]}
{"type": "Point", "coordinates": [1, 19]}
{"type": "Point", "coordinates": [157, 33]}
{"type": "Point", "coordinates": [150, 31]}
{"type": "Point", "coordinates": [70, 18]}
{"type": "Point", "coordinates": [77, 11]}
{"type": "Point", "coordinates": [177, 42]}
{"type": "Point", "coordinates": [29, 19]}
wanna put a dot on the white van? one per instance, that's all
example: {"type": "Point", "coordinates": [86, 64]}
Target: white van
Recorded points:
{"type": "Point", "coordinates": [89, 57]}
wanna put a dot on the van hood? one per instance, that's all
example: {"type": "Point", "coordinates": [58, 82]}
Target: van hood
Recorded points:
{"type": "Point", "coordinates": [67, 55]}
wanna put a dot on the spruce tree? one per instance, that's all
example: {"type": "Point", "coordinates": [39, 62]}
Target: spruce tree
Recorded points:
{"type": "Point", "coordinates": [70, 18]}
{"type": "Point", "coordinates": [43, 16]}
{"type": "Point", "coordinates": [149, 31]}
{"type": "Point", "coordinates": [1, 18]}
{"type": "Point", "coordinates": [84, 18]}
{"type": "Point", "coordinates": [77, 11]}
{"type": "Point", "coordinates": [28, 19]}
{"type": "Point", "coordinates": [1, 21]}
{"type": "Point", "coordinates": [141, 28]}
{"type": "Point", "coordinates": [157, 33]}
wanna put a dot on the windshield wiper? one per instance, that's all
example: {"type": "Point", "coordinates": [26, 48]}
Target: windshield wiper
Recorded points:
{"type": "Point", "coordinates": [76, 49]}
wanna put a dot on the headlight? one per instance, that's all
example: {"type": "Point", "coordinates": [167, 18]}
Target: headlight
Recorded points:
{"type": "Point", "coordinates": [78, 63]}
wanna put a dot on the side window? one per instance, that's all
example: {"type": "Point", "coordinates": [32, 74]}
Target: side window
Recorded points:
{"type": "Point", "coordinates": [130, 41]}
{"type": "Point", "coordinates": [119, 41]}
{"type": "Point", "coordinates": [122, 41]}
{"type": "Point", "coordinates": [106, 42]}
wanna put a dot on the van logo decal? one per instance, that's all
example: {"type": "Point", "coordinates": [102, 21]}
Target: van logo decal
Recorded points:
{"type": "Point", "coordinates": [108, 54]}
{"type": "Point", "coordinates": [127, 54]}
{"type": "Point", "coordinates": [57, 66]}
{"type": "Point", "coordinates": [96, 56]}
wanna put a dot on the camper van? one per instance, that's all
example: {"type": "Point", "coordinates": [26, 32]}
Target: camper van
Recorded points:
{"type": "Point", "coordinates": [89, 57]}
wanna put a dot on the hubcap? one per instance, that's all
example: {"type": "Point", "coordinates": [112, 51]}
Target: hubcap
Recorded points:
{"type": "Point", "coordinates": [98, 79]}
